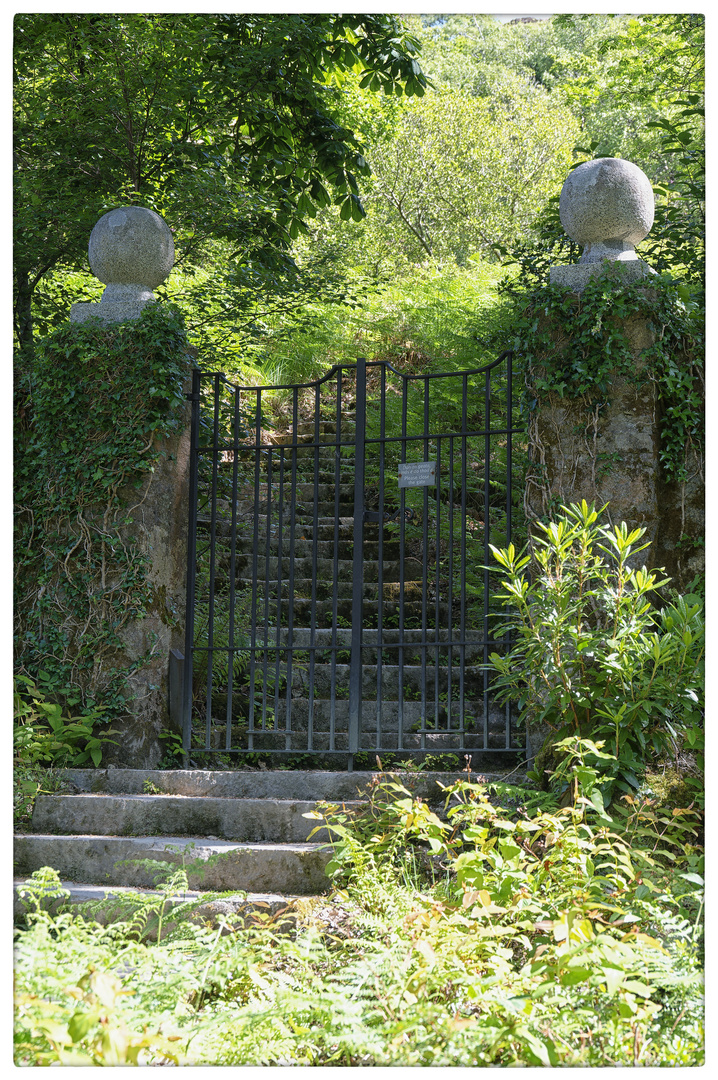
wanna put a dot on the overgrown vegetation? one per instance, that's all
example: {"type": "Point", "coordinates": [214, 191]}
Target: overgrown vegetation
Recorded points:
{"type": "Point", "coordinates": [94, 406]}
{"type": "Point", "coordinates": [597, 652]}
{"type": "Point", "coordinates": [574, 347]}
{"type": "Point", "coordinates": [503, 931]}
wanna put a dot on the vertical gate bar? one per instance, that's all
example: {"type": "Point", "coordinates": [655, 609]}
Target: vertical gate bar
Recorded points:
{"type": "Point", "coordinates": [437, 606]}
{"type": "Point", "coordinates": [462, 572]}
{"type": "Point", "coordinates": [191, 569]}
{"type": "Point", "coordinates": [424, 572]}
{"type": "Point", "coordinates": [509, 497]}
{"type": "Point", "coordinates": [355, 673]}
{"type": "Point", "coordinates": [509, 441]}
{"type": "Point", "coordinates": [290, 585]}
{"type": "Point", "coordinates": [233, 570]}
{"type": "Point", "coordinates": [313, 621]}
{"type": "Point", "coordinates": [255, 545]}
{"type": "Point", "coordinates": [487, 473]}
{"type": "Point", "coordinates": [280, 553]}
{"type": "Point", "coordinates": [335, 583]}
{"type": "Point", "coordinates": [402, 527]}
{"type": "Point", "coordinates": [212, 559]}
{"type": "Point", "coordinates": [267, 566]}
{"type": "Point", "coordinates": [380, 557]}
{"type": "Point", "coordinates": [450, 619]}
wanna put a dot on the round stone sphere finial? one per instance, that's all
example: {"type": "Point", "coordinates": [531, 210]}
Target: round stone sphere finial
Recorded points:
{"type": "Point", "coordinates": [607, 205]}
{"type": "Point", "coordinates": [132, 251]}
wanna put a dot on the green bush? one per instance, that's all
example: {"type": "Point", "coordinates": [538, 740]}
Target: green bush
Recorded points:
{"type": "Point", "coordinates": [592, 656]}
{"type": "Point", "coordinates": [46, 735]}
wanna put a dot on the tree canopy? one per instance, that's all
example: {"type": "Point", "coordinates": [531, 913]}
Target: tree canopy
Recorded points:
{"type": "Point", "coordinates": [225, 122]}
{"type": "Point", "coordinates": [313, 159]}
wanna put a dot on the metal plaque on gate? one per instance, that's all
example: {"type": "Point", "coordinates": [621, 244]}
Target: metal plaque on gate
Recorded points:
{"type": "Point", "coordinates": [417, 474]}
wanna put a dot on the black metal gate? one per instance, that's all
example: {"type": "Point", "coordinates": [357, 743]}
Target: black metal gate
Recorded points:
{"type": "Point", "coordinates": [338, 588]}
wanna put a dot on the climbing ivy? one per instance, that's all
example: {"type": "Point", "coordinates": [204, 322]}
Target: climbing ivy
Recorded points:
{"type": "Point", "coordinates": [575, 346]}
{"type": "Point", "coordinates": [93, 408]}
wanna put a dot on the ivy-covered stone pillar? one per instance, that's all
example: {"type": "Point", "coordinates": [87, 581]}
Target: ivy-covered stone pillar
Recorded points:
{"type": "Point", "coordinates": [614, 370]}
{"type": "Point", "coordinates": [105, 474]}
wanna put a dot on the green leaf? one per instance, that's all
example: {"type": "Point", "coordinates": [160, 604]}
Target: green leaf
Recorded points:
{"type": "Point", "coordinates": [81, 1022]}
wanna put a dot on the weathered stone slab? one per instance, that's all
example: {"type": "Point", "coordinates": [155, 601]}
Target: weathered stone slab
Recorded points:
{"type": "Point", "coordinates": [250, 820]}
{"type": "Point", "coordinates": [306, 785]}
{"type": "Point", "coordinates": [216, 865]}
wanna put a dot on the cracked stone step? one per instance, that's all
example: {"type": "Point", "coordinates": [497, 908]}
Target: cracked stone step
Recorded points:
{"type": "Point", "coordinates": [241, 820]}
{"type": "Point", "coordinates": [302, 784]}
{"type": "Point", "coordinates": [215, 865]}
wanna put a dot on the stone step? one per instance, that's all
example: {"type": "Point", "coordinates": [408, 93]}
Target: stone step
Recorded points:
{"type": "Point", "coordinates": [326, 589]}
{"type": "Point", "coordinates": [415, 715]}
{"type": "Point", "coordinates": [323, 611]}
{"type": "Point", "coordinates": [279, 821]}
{"type": "Point", "coordinates": [491, 757]}
{"type": "Point", "coordinates": [111, 904]}
{"type": "Point", "coordinates": [304, 548]}
{"type": "Point", "coordinates": [326, 550]}
{"type": "Point", "coordinates": [328, 527]}
{"type": "Point", "coordinates": [303, 637]}
{"type": "Point", "coordinates": [302, 784]}
{"type": "Point", "coordinates": [215, 865]}
{"type": "Point", "coordinates": [415, 680]}
{"type": "Point", "coordinates": [266, 649]}
{"type": "Point", "coordinates": [305, 568]}
{"type": "Point", "coordinates": [421, 680]}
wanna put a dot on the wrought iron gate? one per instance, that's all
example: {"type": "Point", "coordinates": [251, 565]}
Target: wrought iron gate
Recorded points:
{"type": "Point", "coordinates": [338, 586]}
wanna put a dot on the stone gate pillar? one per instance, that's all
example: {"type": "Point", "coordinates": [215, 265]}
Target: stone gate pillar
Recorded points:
{"type": "Point", "coordinates": [610, 454]}
{"type": "Point", "coordinates": [132, 252]}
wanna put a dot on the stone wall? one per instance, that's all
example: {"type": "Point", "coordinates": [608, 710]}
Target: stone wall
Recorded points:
{"type": "Point", "coordinates": [611, 454]}
{"type": "Point", "coordinates": [158, 513]}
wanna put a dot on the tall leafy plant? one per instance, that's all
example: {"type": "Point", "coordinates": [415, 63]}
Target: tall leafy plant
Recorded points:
{"type": "Point", "coordinates": [593, 656]}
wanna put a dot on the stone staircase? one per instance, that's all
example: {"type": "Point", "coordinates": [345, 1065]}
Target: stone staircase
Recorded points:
{"type": "Point", "coordinates": [239, 833]}
{"type": "Point", "coordinates": [413, 697]}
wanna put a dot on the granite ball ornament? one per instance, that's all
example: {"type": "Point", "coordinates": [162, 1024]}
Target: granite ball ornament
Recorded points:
{"type": "Point", "coordinates": [607, 206]}
{"type": "Point", "coordinates": [132, 251]}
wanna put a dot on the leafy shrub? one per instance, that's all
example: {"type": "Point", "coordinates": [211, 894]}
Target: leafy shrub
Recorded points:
{"type": "Point", "coordinates": [46, 735]}
{"type": "Point", "coordinates": [592, 655]}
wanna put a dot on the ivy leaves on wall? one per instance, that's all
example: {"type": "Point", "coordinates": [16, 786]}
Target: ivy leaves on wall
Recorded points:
{"type": "Point", "coordinates": [95, 405]}
{"type": "Point", "coordinates": [594, 349]}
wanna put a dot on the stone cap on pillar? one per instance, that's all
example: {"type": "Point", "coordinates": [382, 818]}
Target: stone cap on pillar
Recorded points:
{"type": "Point", "coordinates": [607, 206]}
{"type": "Point", "coordinates": [131, 251]}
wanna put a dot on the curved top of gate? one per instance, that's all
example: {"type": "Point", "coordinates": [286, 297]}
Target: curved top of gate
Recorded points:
{"type": "Point", "coordinates": [369, 363]}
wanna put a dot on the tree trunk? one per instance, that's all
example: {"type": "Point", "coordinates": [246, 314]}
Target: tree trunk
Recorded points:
{"type": "Point", "coordinates": [23, 311]}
